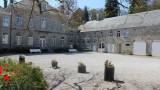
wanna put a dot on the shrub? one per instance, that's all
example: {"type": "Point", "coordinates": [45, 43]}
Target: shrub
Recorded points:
{"type": "Point", "coordinates": [15, 76]}
{"type": "Point", "coordinates": [81, 68]}
{"type": "Point", "coordinates": [21, 59]}
{"type": "Point", "coordinates": [60, 50]}
{"type": "Point", "coordinates": [54, 64]}
{"type": "Point", "coordinates": [109, 71]}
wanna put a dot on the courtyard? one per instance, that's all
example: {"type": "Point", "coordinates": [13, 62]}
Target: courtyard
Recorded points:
{"type": "Point", "coordinates": [131, 72]}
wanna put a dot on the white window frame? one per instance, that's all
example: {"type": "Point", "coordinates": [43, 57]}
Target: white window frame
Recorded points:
{"type": "Point", "coordinates": [43, 23]}
{"type": "Point", "coordinates": [42, 42]}
{"type": "Point", "coordinates": [19, 40]}
{"type": "Point", "coordinates": [62, 42]}
{"type": "Point", "coordinates": [54, 42]}
{"type": "Point", "coordinates": [6, 21]}
{"type": "Point", "coordinates": [19, 20]}
{"type": "Point", "coordinates": [44, 6]}
{"type": "Point", "coordinates": [30, 41]}
{"type": "Point", "coordinates": [5, 38]}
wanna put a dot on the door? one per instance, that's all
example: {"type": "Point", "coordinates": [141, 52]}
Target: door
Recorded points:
{"type": "Point", "coordinates": [156, 48]}
{"type": "Point", "coordinates": [111, 48]}
{"type": "Point", "coordinates": [94, 48]}
{"type": "Point", "coordinates": [42, 42]}
{"type": "Point", "coordinates": [139, 48]}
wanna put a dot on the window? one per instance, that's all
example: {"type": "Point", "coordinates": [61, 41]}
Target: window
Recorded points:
{"type": "Point", "coordinates": [54, 42]}
{"type": "Point", "coordinates": [127, 44]}
{"type": "Point", "coordinates": [42, 42]}
{"type": "Point", "coordinates": [126, 34]}
{"type": "Point", "coordinates": [19, 20]}
{"type": "Point", "coordinates": [4, 38]}
{"type": "Point", "coordinates": [5, 21]}
{"type": "Point", "coordinates": [30, 41]}
{"type": "Point", "coordinates": [19, 40]}
{"type": "Point", "coordinates": [110, 33]}
{"type": "Point", "coordinates": [118, 34]}
{"type": "Point", "coordinates": [43, 23]}
{"type": "Point", "coordinates": [44, 6]}
{"type": "Point", "coordinates": [62, 42]}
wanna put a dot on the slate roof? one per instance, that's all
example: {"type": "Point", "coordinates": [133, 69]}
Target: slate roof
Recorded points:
{"type": "Point", "coordinates": [149, 18]}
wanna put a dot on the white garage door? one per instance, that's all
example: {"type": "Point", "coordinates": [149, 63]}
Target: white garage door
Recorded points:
{"type": "Point", "coordinates": [139, 48]}
{"type": "Point", "coordinates": [111, 48]}
{"type": "Point", "coordinates": [156, 48]}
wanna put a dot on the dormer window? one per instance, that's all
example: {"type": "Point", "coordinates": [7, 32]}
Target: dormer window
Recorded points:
{"type": "Point", "coordinates": [44, 6]}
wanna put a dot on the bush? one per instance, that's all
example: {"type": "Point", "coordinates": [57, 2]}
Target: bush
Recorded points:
{"type": "Point", "coordinates": [81, 68]}
{"type": "Point", "coordinates": [21, 50]}
{"type": "Point", "coordinates": [16, 76]}
{"type": "Point", "coordinates": [54, 64]}
{"type": "Point", "coordinates": [60, 50]}
{"type": "Point", "coordinates": [109, 71]}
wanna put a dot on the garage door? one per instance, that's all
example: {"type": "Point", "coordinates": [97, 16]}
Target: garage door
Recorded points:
{"type": "Point", "coordinates": [156, 48]}
{"type": "Point", "coordinates": [139, 48]}
{"type": "Point", "coordinates": [111, 48]}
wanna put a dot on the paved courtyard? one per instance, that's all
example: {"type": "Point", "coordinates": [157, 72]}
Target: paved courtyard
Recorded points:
{"type": "Point", "coordinates": [131, 72]}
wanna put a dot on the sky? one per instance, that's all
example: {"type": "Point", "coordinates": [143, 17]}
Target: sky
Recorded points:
{"type": "Point", "coordinates": [81, 3]}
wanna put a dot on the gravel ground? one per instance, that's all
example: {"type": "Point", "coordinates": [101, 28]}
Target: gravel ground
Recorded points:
{"type": "Point", "coordinates": [131, 72]}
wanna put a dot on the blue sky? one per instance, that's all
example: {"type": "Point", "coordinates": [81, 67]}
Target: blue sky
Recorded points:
{"type": "Point", "coordinates": [81, 3]}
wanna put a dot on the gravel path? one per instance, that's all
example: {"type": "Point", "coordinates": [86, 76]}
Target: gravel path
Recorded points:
{"type": "Point", "coordinates": [131, 72]}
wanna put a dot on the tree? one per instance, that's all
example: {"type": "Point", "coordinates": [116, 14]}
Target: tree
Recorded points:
{"type": "Point", "coordinates": [111, 8]}
{"type": "Point", "coordinates": [67, 8]}
{"type": "Point", "coordinates": [94, 14]}
{"type": "Point", "coordinates": [5, 3]}
{"type": "Point", "coordinates": [138, 6]}
{"type": "Point", "coordinates": [155, 5]}
{"type": "Point", "coordinates": [86, 14]}
{"type": "Point", "coordinates": [77, 18]}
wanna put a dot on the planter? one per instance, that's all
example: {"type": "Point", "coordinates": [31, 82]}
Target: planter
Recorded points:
{"type": "Point", "coordinates": [21, 59]}
{"type": "Point", "coordinates": [54, 64]}
{"type": "Point", "coordinates": [81, 68]}
{"type": "Point", "coordinates": [109, 72]}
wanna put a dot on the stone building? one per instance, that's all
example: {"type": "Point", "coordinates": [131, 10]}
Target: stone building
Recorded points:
{"type": "Point", "coordinates": [137, 34]}
{"type": "Point", "coordinates": [45, 31]}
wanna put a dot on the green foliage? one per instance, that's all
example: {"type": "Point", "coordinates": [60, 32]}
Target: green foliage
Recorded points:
{"type": "Point", "coordinates": [22, 77]}
{"type": "Point", "coordinates": [111, 8]}
{"type": "Point", "coordinates": [86, 15]}
{"type": "Point", "coordinates": [138, 6]}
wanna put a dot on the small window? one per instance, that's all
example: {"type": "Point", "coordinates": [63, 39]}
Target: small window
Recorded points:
{"type": "Point", "coordinates": [118, 34]}
{"type": "Point", "coordinates": [44, 6]}
{"type": "Point", "coordinates": [127, 44]}
{"type": "Point", "coordinates": [19, 40]}
{"type": "Point", "coordinates": [111, 33]}
{"type": "Point", "coordinates": [5, 21]}
{"type": "Point", "coordinates": [4, 38]}
{"type": "Point", "coordinates": [19, 20]}
{"type": "Point", "coordinates": [43, 23]}
{"type": "Point", "coordinates": [30, 41]}
{"type": "Point", "coordinates": [126, 34]}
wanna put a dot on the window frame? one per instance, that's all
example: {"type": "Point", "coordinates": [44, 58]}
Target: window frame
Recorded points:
{"type": "Point", "coordinates": [4, 39]}
{"type": "Point", "coordinates": [6, 21]}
